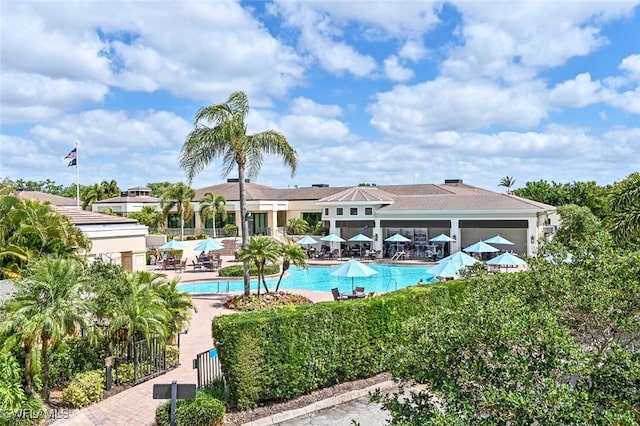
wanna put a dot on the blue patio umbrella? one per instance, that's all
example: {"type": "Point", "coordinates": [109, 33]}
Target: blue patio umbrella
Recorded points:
{"type": "Point", "coordinates": [397, 238]}
{"type": "Point", "coordinates": [498, 239]}
{"type": "Point", "coordinates": [333, 238]}
{"type": "Point", "coordinates": [481, 247]}
{"type": "Point", "coordinates": [353, 268]}
{"type": "Point", "coordinates": [360, 238]}
{"type": "Point", "coordinates": [173, 245]}
{"type": "Point", "coordinates": [447, 269]}
{"type": "Point", "coordinates": [460, 258]}
{"type": "Point", "coordinates": [442, 238]}
{"type": "Point", "coordinates": [307, 240]}
{"type": "Point", "coordinates": [506, 259]}
{"type": "Point", "coordinates": [208, 245]}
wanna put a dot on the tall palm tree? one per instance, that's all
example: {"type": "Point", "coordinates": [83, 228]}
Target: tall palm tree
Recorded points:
{"type": "Point", "coordinates": [623, 220]}
{"type": "Point", "coordinates": [221, 131]}
{"type": "Point", "coordinates": [180, 197]}
{"type": "Point", "coordinates": [91, 194]}
{"type": "Point", "coordinates": [260, 251]}
{"type": "Point", "coordinates": [48, 306]}
{"type": "Point", "coordinates": [148, 216]}
{"type": "Point", "coordinates": [291, 254]}
{"type": "Point", "coordinates": [210, 205]}
{"type": "Point", "coordinates": [297, 226]}
{"type": "Point", "coordinates": [507, 182]}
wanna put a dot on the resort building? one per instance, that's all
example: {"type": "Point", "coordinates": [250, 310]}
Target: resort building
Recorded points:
{"type": "Point", "coordinates": [420, 212]}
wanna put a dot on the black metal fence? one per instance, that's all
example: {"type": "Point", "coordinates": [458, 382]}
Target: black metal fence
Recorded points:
{"type": "Point", "coordinates": [140, 360]}
{"type": "Point", "coordinates": [208, 365]}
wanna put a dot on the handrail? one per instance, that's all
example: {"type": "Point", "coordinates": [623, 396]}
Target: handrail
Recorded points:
{"type": "Point", "coordinates": [390, 281]}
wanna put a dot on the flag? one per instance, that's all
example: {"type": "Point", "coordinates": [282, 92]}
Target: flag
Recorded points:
{"type": "Point", "coordinates": [72, 154]}
{"type": "Point", "coordinates": [72, 163]}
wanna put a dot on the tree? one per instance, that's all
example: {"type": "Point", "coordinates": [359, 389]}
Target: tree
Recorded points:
{"type": "Point", "coordinates": [260, 251]}
{"type": "Point", "coordinates": [297, 226]}
{"type": "Point", "coordinates": [178, 304]}
{"type": "Point", "coordinates": [210, 206]}
{"type": "Point", "coordinates": [158, 188]}
{"type": "Point", "coordinates": [221, 131]}
{"type": "Point", "coordinates": [178, 196]}
{"type": "Point", "coordinates": [148, 216]}
{"type": "Point", "coordinates": [624, 205]}
{"type": "Point", "coordinates": [291, 253]}
{"type": "Point", "coordinates": [578, 224]}
{"type": "Point", "coordinates": [48, 306]}
{"type": "Point", "coordinates": [91, 194]}
{"type": "Point", "coordinates": [507, 182]}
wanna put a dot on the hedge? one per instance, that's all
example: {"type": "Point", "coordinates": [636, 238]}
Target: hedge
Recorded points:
{"type": "Point", "coordinates": [203, 410]}
{"type": "Point", "coordinates": [285, 352]}
{"type": "Point", "coordinates": [85, 388]}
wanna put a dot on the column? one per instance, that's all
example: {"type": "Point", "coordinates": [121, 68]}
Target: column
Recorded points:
{"type": "Point", "coordinates": [455, 230]}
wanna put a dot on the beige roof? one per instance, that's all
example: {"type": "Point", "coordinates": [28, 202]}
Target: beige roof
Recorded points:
{"type": "Point", "coordinates": [56, 200]}
{"type": "Point", "coordinates": [83, 217]}
{"type": "Point", "coordinates": [361, 193]}
{"type": "Point", "coordinates": [130, 199]}
{"type": "Point", "coordinates": [471, 202]}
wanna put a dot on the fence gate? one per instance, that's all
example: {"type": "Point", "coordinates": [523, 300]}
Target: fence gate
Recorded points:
{"type": "Point", "coordinates": [147, 357]}
{"type": "Point", "coordinates": [208, 365]}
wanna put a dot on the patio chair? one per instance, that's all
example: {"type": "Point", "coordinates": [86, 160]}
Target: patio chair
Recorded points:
{"type": "Point", "coordinates": [337, 295]}
{"type": "Point", "coordinates": [196, 265]}
{"type": "Point", "coordinates": [180, 265]}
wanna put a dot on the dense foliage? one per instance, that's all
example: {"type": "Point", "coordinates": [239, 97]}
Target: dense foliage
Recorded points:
{"type": "Point", "coordinates": [203, 410]}
{"type": "Point", "coordinates": [284, 352]}
{"type": "Point", "coordinates": [237, 271]}
{"type": "Point", "coordinates": [256, 302]}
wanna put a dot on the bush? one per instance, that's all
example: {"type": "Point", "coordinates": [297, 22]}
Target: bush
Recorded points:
{"type": "Point", "coordinates": [72, 357]}
{"type": "Point", "coordinates": [173, 356]}
{"type": "Point", "coordinates": [203, 410]}
{"type": "Point", "coordinates": [285, 352]}
{"type": "Point", "coordinates": [85, 388]}
{"type": "Point", "coordinates": [255, 302]}
{"type": "Point", "coordinates": [217, 389]}
{"type": "Point", "coordinates": [125, 373]}
{"type": "Point", "coordinates": [230, 230]}
{"type": "Point", "coordinates": [237, 270]}
{"type": "Point", "coordinates": [31, 413]}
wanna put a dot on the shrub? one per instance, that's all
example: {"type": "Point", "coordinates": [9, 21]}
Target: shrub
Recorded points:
{"type": "Point", "coordinates": [230, 230]}
{"type": "Point", "coordinates": [72, 357]}
{"type": "Point", "coordinates": [203, 410]}
{"type": "Point", "coordinates": [125, 373]}
{"type": "Point", "coordinates": [255, 302]}
{"type": "Point", "coordinates": [281, 353]}
{"type": "Point", "coordinates": [173, 356]}
{"type": "Point", "coordinates": [237, 271]}
{"type": "Point", "coordinates": [30, 413]}
{"type": "Point", "coordinates": [85, 388]}
{"type": "Point", "coordinates": [217, 389]}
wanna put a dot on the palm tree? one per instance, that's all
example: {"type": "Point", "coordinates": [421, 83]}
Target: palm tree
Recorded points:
{"type": "Point", "coordinates": [141, 309]}
{"type": "Point", "coordinates": [210, 205]}
{"type": "Point", "coordinates": [179, 305]}
{"type": "Point", "coordinates": [91, 194]}
{"type": "Point", "coordinates": [180, 197]}
{"type": "Point", "coordinates": [623, 220]}
{"type": "Point", "coordinates": [260, 250]}
{"type": "Point", "coordinates": [48, 306]}
{"type": "Point", "coordinates": [297, 226]}
{"type": "Point", "coordinates": [148, 216]}
{"type": "Point", "coordinates": [291, 254]}
{"type": "Point", "coordinates": [221, 131]}
{"type": "Point", "coordinates": [507, 182]}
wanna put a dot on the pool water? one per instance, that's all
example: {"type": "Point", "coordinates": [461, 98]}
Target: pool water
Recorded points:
{"type": "Point", "coordinates": [318, 278]}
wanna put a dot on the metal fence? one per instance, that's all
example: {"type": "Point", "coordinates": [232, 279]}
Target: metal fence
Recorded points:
{"type": "Point", "coordinates": [148, 359]}
{"type": "Point", "coordinates": [208, 365]}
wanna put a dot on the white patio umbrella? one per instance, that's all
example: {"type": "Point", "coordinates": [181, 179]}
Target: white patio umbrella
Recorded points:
{"type": "Point", "coordinates": [447, 269]}
{"type": "Point", "coordinates": [460, 258]}
{"type": "Point", "coordinates": [333, 238]}
{"type": "Point", "coordinates": [442, 238]}
{"type": "Point", "coordinates": [353, 268]}
{"type": "Point", "coordinates": [498, 239]}
{"type": "Point", "coordinates": [506, 259]}
{"type": "Point", "coordinates": [307, 241]}
{"type": "Point", "coordinates": [397, 238]}
{"type": "Point", "coordinates": [208, 245]}
{"type": "Point", "coordinates": [481, 247]}
{"type": "Point", "coordinates": [173, 245]}
{"type": "Point", "coordinates": [360, 238]}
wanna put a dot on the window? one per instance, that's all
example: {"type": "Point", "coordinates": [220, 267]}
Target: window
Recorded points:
{"type": "Point", "coordinates": [339, 211]}
{"type": "Point", "coordinates": [368, 211]}
{"type": "Point", "coordinates": [353, 211]}
{"type": "Point", "coordinates": [326, 211]}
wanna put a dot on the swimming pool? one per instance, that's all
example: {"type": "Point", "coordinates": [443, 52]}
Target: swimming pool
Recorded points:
{"type": "Point", "coordinates": [318, 278]}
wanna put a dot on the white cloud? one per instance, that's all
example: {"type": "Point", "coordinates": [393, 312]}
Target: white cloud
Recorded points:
{"type": "Point", "coordinates": [395, 71]}
{"type": "Point", "coordinates": [576, 93]}
{"type": "Point", "coordinates": [413, 50]}
{"type": "Point", "coordinates": [445, 104]}
{"type": "Point", "coordinates": [304, 106]}
{"type": "Point", "coordinates": [631, 64]}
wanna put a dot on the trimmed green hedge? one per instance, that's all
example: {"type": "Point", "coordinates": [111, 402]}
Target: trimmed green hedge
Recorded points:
{"type": "Point", "coordinates": [85, 388]}
{"type": "Point", "coordinates": [285, 352]}
{"type": "Point", "coordinates": [203, 410]}
{"type": "Point", "coordinates": [238, 271]}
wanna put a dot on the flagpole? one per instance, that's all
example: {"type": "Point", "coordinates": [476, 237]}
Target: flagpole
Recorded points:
{"type": "Point", "coordinates": [77, 180]}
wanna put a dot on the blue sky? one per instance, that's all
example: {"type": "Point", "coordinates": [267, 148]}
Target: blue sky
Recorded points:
{"type": "Point", "coordinates": [376, 92]}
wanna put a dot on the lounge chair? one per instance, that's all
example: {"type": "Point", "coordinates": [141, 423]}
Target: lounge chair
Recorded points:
{"type": "Point", "coordinates": [196, 265]}
{"type": "Point", "coordinates": [337, 295]}
{"type": "Point", "coordinates": [180, 265]}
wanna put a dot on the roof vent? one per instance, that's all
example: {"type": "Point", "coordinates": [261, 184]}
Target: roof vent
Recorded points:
{"type": "Point", "coordinates": [319, 185]}
{"type": "Point", "coordinates": [446, 181]}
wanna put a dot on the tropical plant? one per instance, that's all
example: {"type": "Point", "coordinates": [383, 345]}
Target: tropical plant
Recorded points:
{"type": "Point", "coordinates": [624, 204]}
{"type": "Point", "coordinates": [148, 216]}
{"type": "Point", "coordinates": [221, 131]}
{"type": "Point", "coordinates": [179, 305]}
{"type": "Point", "coordinates": [91, 194]}
{"type": "Point", "coordinates": [297, 226]}
{"type": "Point", "coordinates": [178, 196]}
{"type": "Point", "coordinates": [507, 182]}
{"type": "Point", "coordinates": [291, 253]}
{"type": "Point", "coordinates": [110, 211]}
{"type": "Point", "coordinates": [210, 206]}
{"type": "Point", "coordinates": [577, 224]}
{"type": "Point", "coordinates": [48, 306]}
{"type": "Point", "coordinates": [11, 393]}
{"type": "Point", "coordinates": [260, 251]}
{"type": "Point", "coordinates": [158, 188]}
{"type": "Point", "coordinates": [141, 309]}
